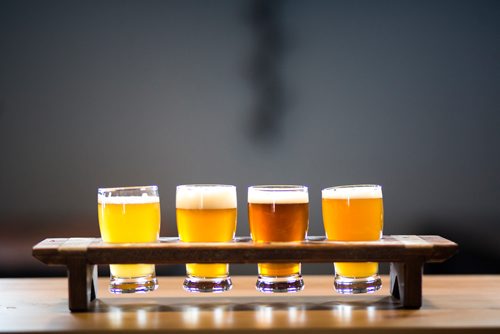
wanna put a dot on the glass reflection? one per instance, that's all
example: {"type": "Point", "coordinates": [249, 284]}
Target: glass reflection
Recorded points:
{"type": "Point", "coordinates": [191, 316]}
{"type": "Point", "coordinates": [296, 315]}
{"type": "Point", "coordinates": [371, 313]}
{"type": "Point", "coordinates": [142, 318]}
{"type": "Point", "coordinates": [343, 313]}
{"type": "Point", "coordinates": [284, 314]}
{"type": "Point", "coordinates": [222, 316]}
{"type": "Point", "coordinates": [116, 318]}
{"type": "Point", "coordinates": [194, 316]}
{"type": "Point", "coordinates": [264, 315]}
{"type": "Point", "coordinates": [131, 315]}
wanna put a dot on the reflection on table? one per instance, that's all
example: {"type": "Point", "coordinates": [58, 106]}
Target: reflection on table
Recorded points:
{"type": "Point", "coordinates": [449, 302]}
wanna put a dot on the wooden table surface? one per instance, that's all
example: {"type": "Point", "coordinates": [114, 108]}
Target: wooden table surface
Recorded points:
{"type": "Point", "coordinates": [454, 303]}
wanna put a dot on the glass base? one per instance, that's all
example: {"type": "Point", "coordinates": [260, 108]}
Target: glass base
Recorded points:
{"type": "Point", "coordinates": [271, 284]}
{"type": "Point", "coordinates": [354, 285]}
{"type": "Point", "coordinates": [201, 284]}
{"type": "Point", "coordinates": [133, 284]}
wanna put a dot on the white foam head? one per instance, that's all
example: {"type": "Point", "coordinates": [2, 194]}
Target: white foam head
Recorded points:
{"type": "Point", "coordinates": [144, 199]}
{"type": "Point", "coordinates": [278, 194]}
{"type": "Point", "coordinates": [206, 196]}
{"type": "Point", "coordinates": [355, 191]}
{"type": "Point", "coordinates": [128, 195]}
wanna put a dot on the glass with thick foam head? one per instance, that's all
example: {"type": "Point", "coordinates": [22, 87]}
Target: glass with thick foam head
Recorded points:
{"type": "Point", "coordinates": [130, 215]}
{"type": "Point", "coordinates": [354, 213]}
{"type": "Point", "coordinates": [278, 213]}
{"type": "Point", "coordinates": [206, 213]}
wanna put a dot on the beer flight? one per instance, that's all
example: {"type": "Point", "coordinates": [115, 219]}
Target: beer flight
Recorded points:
{"type": "Point", "coordinates": [276, 213]}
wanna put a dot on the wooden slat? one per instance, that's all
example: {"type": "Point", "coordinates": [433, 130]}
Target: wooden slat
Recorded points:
{"type": "Point", "coordinates": [77, 245]}
{"type": "Point", "coordinates": [47, 251]}
{"type": "Point", "coordinates": [243, 250]}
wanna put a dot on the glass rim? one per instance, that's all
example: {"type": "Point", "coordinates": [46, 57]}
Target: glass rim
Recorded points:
{"type": "Point", "coordinates": [206, 185]}
{"type": "Point", "coordinates": [354, 186]}
{"type": "Point", "coordinates": [111, 189]}
{"type": "Point", "coordinates": [279, 187]}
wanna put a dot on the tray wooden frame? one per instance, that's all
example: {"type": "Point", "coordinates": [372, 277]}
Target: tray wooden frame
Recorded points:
{"type": "Point", "coordinates": [405, 253]}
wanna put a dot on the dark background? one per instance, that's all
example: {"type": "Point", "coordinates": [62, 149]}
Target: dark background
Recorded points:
{"type": "Point", "coordinates": [405, 94]}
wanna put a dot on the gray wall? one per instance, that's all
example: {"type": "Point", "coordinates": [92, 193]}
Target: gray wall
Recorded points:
{"type": "Point", "coordinates": [110, 93]}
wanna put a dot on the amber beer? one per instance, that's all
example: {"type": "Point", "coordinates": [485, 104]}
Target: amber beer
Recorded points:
{"type": "Point", "coordinates": [130, 215]}
{"type": "Point", "coordinates": [354, 213]}
{"type": "Point", "coordinates": [206, 213]}
{"type": "Point", "coordinates": [279, 214]}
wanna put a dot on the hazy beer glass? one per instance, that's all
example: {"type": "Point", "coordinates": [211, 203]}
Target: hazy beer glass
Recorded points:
{"type": "Point", "coordinates": [354, 213]}
{"type": "Point", "coordinates": [206, 213]}
{"type": "Point", "coordinates": [278, 213]}
{"type": "Point", "coordinates": [130, 215]}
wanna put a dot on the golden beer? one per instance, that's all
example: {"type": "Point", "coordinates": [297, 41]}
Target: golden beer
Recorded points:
{"type": "Point", "coordinates": [125, 218]}
{"type": "Point", "coordinates": [279, 214]}
{"type": "Point", "coordinates": [278, 222]}
{"type": "Point", "coordinates": [206, 213]}
{"type": "Point", "coordinates": [353, 213]}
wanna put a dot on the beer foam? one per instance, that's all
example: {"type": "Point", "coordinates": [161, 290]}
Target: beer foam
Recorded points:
{"type": "Point", "coordinates": [348, 192]}
{"type": "Point", "coordinates": [205, 197]}
{"type": "Point", "coordinates": [144, 199]}
{"type": "Point", "coordinates": [277, 196]}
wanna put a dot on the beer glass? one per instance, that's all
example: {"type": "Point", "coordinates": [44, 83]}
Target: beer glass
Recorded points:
{"type": "Point", "coordinates": [278, 213]}
{"type": "Point", "coordinates": [206, 213]}
{"type": "Point", "coordinates": [130, 215]}
{"type": "Point", "coordinates": [354, 213]}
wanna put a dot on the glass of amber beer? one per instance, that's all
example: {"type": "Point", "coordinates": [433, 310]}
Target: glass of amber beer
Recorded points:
{"type": "Point", "coordinates": [278, 213]}
{"type": "Point", "coordinates": [130, 215]}
{"type": "Point", "coordinates": [354, 213]}
{"type": "Point", "coordinates": [206, 213]}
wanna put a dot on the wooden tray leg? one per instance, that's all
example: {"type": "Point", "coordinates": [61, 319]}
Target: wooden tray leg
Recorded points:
{"type": "Point", "coordinates": [406, 283]}
{"type": "Point", "coordinates": [82, 284]}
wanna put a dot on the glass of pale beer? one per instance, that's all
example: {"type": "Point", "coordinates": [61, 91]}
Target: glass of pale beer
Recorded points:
{"type": "Point", "coordinates": [130, 215]}
{"type": "Point", "coordinates": [354, 213]}
{"type": "Point", "coordinates": [206, 213]}
{"type": "Point", "coordinates": [278, 213]}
